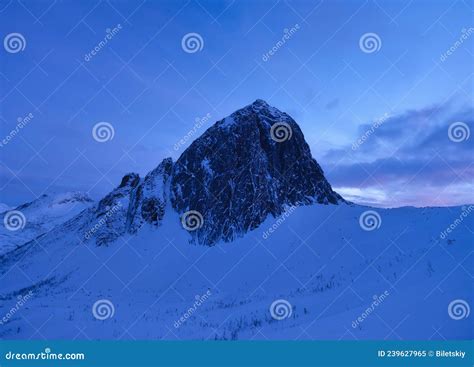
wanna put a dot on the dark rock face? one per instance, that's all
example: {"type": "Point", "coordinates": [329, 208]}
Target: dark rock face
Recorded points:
{"type": "Point", "coordinates": [246, 166]}
{"type": "Point", "coordinates": [149, 199]}
{"type": "Point", "coordinates": [133, 203]}
{"type": "Point", "coordinates": [249, 165]}
{"type": "Point", "coordinates": [111, 212]}
{"type": "Point", "coordinates": [130, 180]}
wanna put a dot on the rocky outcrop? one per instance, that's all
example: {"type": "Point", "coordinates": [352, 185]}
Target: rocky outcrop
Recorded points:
{"type": "Point", "coordinates": [133, 203]}
{"type": "Point", "coordinates": [251, 164]}
{"type": "Point", "coordinates": [149, 200]}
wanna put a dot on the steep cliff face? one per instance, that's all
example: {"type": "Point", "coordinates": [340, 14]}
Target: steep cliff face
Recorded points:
{"type": "Point", "coordinates": [128, 207]}
{"type": "Point", "coordinates": [149, 200]}
{"type": "Point", "coordinates": [249, 165]}
{"type": "Point", "coordinates": [110, 216]}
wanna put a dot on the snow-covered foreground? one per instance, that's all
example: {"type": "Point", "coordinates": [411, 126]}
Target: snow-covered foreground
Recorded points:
{"type": "Point", "coordinates": [319, 263]}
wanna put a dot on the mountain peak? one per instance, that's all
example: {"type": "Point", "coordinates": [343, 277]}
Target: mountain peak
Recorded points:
{"type": "Point", "coordinates": [260, 102]}
{"type": "Point", "coordinates": [249, 165]}
{"type": "Point", "coordinates": [261, 106]}
{"type": "Point", "coordinates": [246, 166]}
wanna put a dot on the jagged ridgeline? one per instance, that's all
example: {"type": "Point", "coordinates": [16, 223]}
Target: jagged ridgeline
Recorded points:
{"type": "Point", "coordinates": [246, 166]}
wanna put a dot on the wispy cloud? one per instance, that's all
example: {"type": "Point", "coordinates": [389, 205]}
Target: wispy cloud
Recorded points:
{"type": "Point", "coordinates": [408, 159]}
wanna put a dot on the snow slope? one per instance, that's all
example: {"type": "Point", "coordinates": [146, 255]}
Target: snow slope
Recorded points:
{"type": "Point", "coordinates": [4, 207]}
{"type": "Point", "coordinates": [40, 216]}
{"type": "Point", "coordinates": [318, 258]}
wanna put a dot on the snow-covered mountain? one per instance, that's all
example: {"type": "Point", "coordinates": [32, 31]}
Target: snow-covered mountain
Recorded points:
{"type": "Point", "coordinates": [35, 218]}
{"type": "Point", "coordinates": [281, 255]}
{"type": "Point", "coordinates": [245, 167]}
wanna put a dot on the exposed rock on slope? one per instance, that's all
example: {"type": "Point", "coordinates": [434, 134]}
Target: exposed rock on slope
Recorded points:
{"type": "Point", "coordinates": [253, 163]}
{"type": "Point", "coordinates": [132, 204]}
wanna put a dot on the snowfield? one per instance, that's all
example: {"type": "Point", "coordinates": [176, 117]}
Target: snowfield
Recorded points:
{"type": "Point", "coordinates": [326, 276]}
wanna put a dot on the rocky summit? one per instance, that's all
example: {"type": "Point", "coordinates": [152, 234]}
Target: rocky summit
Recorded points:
{"type": "Point", "coordinates": [249, 165]}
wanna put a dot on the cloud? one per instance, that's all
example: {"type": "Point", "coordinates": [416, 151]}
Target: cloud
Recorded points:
{"type": "Point", "coordinates": [407, 159]}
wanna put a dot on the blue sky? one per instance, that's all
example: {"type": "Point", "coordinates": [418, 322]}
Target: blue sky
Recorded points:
{"type": "Point", "coordinates": [143, 83]}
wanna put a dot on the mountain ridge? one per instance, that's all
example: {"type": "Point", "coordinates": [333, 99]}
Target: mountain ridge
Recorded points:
{"type": "Point", "coordinates": [246, 166]}
{"type": "Point", "coordinates": [36, 217]}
